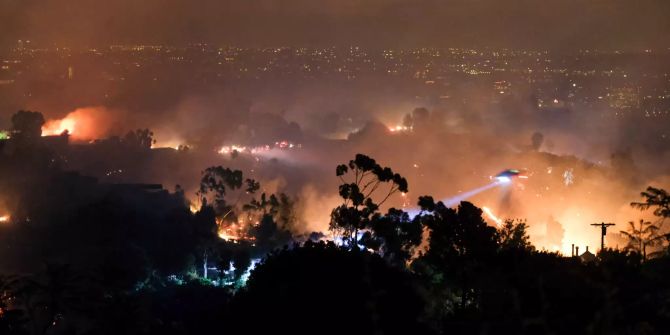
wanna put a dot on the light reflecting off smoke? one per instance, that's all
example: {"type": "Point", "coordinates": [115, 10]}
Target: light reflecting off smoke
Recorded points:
{"type": "Point", "coordinates": [82, 124]}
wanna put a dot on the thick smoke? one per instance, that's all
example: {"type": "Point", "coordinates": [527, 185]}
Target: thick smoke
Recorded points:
{"type": "Point", "coordinates": [585, 165]}
{"type": "Point", "coordinates": [84, 124]}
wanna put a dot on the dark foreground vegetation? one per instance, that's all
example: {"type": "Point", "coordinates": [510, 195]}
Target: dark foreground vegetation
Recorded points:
{"type": "Point", "coordinates": [83, 257]}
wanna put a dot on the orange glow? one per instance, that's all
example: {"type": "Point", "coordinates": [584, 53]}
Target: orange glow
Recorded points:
{"type": "Point", "coordinates": [4, 218]}
{"type": "Point", "coordinates": [82, 124]}
{"type": "Point", "coordinates": [399, 129]}
{"type": "Point", "coordinates": [193, 208]}
{"type": "Point", "coordinates": [576, 221]}
{"type": "Point", "coordinates": [233, 232]}
{"type": "Point", "coordinates": [492, 216]}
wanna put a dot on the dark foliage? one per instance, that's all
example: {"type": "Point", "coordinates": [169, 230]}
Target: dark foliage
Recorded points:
{"type": "Point", "coordinates": [321, 288]}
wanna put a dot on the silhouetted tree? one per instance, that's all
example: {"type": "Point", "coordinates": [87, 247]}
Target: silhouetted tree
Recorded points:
{"type": "Point", "coordinates": [513, 235]}
{"type": "Point", "coordinates": [27, 125]}
{"type": "Point", "coordinates": [316, 282]}
{"type": "Point", "coordinates": [269, 235]}
{"type": "Point", "coordinates": [657, 199]}
{"type": "Point", "coordinates": [140, 138]}
{"type": "Point", "coordinates": [286, 213]}
{"type": "Point", "coordinates": [393, 235]}
{"type": "Point", "coordinates": [218, 182]}
{"type": "Point", "coordinates": [460, 247]}
{"type": "Point", "coordinates": [359, 207]}
{"type": "Point", "coordinates": [264, 205]}
{"type": "Point", "coordinates": [640, 237]}
{"type": "Point", "coordinates": [205, 232]}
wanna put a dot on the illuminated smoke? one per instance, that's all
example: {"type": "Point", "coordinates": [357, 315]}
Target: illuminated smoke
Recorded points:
{"type": "Point", "coordinates": [82, 124]}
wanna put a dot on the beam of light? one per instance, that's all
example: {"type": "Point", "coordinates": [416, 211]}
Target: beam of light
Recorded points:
{"type": "Point", "coordinates": [492, 216]}
{"type": "Point", "coordinates": [504, 179]}
{"type": "Point", "coordinates": [453, 201]}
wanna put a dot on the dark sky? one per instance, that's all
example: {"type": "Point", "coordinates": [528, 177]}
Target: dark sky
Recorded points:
{"type": "Point", "coordinates": [515, 23]}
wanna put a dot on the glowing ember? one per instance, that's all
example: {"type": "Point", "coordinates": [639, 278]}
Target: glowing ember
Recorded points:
{"type": "Point", "coordinates": [232, 148]}
{"type": "Point", "coordinates": [281, 145]}
{"type": "Point", "coordinates": [233, 232]}
{"type": "Point", "coordinates": [227, 237]}
{"type": "Point", "coordinates": [397, 129]}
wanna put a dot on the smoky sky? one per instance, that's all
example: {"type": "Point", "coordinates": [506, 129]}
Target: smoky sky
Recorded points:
{"type": "Point", "coordinates": [551, 24]}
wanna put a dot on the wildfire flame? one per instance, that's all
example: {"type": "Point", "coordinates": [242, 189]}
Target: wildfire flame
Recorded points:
{"type": "Point", "coordinates": [82, 124]}
{"type": "Point", "coordinates": [280, 145]}
{"type": "Point", "coordinates": [235, 231]}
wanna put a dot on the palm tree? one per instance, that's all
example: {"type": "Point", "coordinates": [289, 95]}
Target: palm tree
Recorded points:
{"type": "Point", "coordinates": [643, 236]}
{"type": "Point", "coordinates": [655, 198]}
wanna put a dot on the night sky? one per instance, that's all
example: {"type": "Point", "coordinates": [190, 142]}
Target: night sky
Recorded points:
{"type": "Point", "coordinates": [551, 24]}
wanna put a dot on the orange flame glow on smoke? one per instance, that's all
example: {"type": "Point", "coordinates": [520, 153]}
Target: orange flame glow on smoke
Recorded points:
{"type": "Point", "coordinates": [82, 124]}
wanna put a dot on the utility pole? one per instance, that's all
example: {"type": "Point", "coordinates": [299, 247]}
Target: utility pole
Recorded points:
{"type": "Point", "coordinates": [603, 228]}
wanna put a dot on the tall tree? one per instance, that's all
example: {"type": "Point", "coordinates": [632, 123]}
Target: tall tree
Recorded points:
{"type": "Point", "coordinates": [221, 193]}
{"type": "Point", "coordinates": [513, 235]}
{"type": "Point", "coordinates": [394, 236]}
{"type": "Point", "coordinates": [27, 125]}
{"type": "Point", "coordinates": [460, 246]}
{"type": "Point", "coordinates": [217, 183]}
{"type": "Point", "coordinates": [140, 138]}
{"type": "Point", "coordinates": [644, 235]}
{"type": "Point", "coordinates": [26, 130]}
{"type": "Point", "coordinates": [656, 199]}
{"type": "Point", "coordinates": [370, 185]}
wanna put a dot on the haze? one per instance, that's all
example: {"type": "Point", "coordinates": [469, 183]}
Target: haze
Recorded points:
{"type": "Point", "coordinates": [546, 24]}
